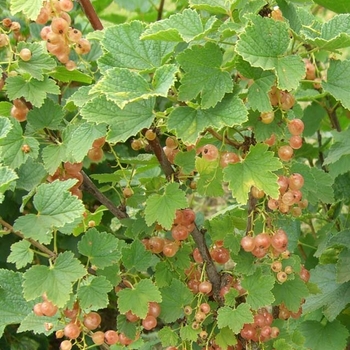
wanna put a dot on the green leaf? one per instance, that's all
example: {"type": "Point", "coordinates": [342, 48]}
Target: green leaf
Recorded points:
{"type": "Point", "coordinates": [11, 146]}
{"type": "Point", "coordinates": [259, 288]}
{"type": "Point", "coordinates": [56, 281]}
{"type": "Point", "coordinates": [7, 177]}
{"type": "Point", "coordinates": [21, 254]}
{"type": "Point", "coordinates": [264, 44]}
{"type": "Point", "coordinates": [234, 318]}
{"type": "Point", "coordinates": [163, 274]}
{"type": "Point", "coordinates": [13, 307]}
{"type": "Point", "coordinates": [255, 170]}
{"type": "Point", "coordinates": [203, 75]}
{"type": "Point", "coordinates": [79, 140]}
{"type": "Point", "coordinates": [186, 160]}
{"type": "Point", "coordinates": [136, 256]}
{"type": "Point", "coordinates": [245, 263]}
{"type": "Point", "coordinates": [188, 333]}
{"type": "Point", "coordinates": [56, 207]}
{"type": "Point", "coordinates": [62, 74]}
{"type": "Point", "coordinates": [290, 293]}
{"type": "Point", "coordinates": [30, 9]}
{"type": "Point", "coordinates": [123, 123]}
{"type": "Point", "coordinates": [124, 86]}
{"type": "Point", "coordinates": [337, 81]}
{"type": "Point", "coordinates": [317, 184]}
{"type": "Point", "coordinates": [39, 63]}
{"type": "Point", "coordinates": [339, 147]}
{"type": "Point", "coordinates": [111, 273]}
{"type": "Point", "coordinates": [340, 6]}
{"type": "Point", "coordinates": [175, 297]}
{"type": "Point", "coordinates": [161, 208]}
{"type": "Point", "coordinates": [168, 337]}
{"type": "Point", "coordinates": [262, 82]}
{"type": "Point", "coordinates": [5, 126]}
{"type": "Point", "coordinates": [32, 90]}
{"type": "Point", "coordinates": [126, 327]}
{"type": "Point", "coordinates": [188, 122]}
{"type": "Point", "coordinates": [101, 248]}
{"type": "Point", "coordinates": [332, 335]}
{"type": "Point", "coordinates": [5, 111]}
{"type": "Point", "coordinates": [225, 338]}
{"type": "Point", "coordinates": [49, 115]}
{"type": "Point", "coordinates": [126, 50]}
{"type": "Point", "coordinates": [343, 274]}
{"type": "Point", "coordinates": [213, 6]}
{"type": "Point", "coordinates": [36, 325]}
{"type": "Point", "coordinates": [334, 296]}
{"type": "Point", "coordinates": [185, 26]}
{"type": "Point", "coordinates": [30, 175]}
{"type": "Point", "coordinates": [93, 293]}
{"type": "Point", "coordinates": [210, 179]}
{"type": "Point", "coordinates": [53, 156]}
{"type": "Point", "coordinates": [136, 299]}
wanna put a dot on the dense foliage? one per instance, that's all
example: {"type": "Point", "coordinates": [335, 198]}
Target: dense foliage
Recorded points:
{"type": "Point", "coordinates": [174, 174]}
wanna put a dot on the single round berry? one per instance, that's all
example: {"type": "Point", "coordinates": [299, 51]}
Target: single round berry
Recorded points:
{"type": "Point", "coordinates": [72, 330]}
{"type": "Point", "coordinates": [149, 322]}
{"type": "Point", "coordinates": [98, 338]}
{"type": "Point", "coordinates": [111, 337]}
{"type": "Point", "coordinates": [92, 320]}
{"type": "Point", "coordinates": [25, 54]}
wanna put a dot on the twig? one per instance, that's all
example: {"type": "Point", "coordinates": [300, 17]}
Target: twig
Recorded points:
{"type": "Point", "coordinates": [34, 243]}
{"type": "Point", "coordinates": [91, 14]}
{"type": "Point", "coordinates": [90, 187]}
{"type": "Point", "coordinates": [162, 158]}
{"type": "Point", "coordinates": [213, 275]}
{"type": "Point", "coordinates": [160, 10]}
{"type": "Point", "coordinates": [251, 211]}
{"type": "Point", "coordinates": [225, 139]}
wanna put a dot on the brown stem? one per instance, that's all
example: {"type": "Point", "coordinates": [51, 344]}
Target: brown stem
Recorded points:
{"type": "Point", "coordinates": [251, 211]}
{"type": "Point", "coordinates": [91, 14]}
{"type": "Point", "coordinates": [90, 187]}
{"type": "Point", "coordinates": [34, 243]}
{"type": "Point", "coordinates": [213, 275]}
{"type": "Point", "coordinates": [333, 118]}
{"type": "Point", "coordinates": [226, 139]}
{"type": "Point", "coordinates": [157, 149]}
{"type": "Point", "coordinates": [160, 10]}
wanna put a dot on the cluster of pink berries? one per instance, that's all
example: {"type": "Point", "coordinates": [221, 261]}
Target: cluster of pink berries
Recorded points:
{"type": "Point", "coordinates": [60, 37]}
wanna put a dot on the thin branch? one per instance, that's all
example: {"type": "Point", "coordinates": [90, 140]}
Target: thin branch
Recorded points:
{"type": "Point", "coordinates": [90, 187]}
{"type": "Point", "coordinates": [160, 10]}
{"type": "Point", "coordinates": [251, 211]}
{"type": "Point", "coordinates": [91, 14]}
{"type": "Point", "coordinates": [157, 149]}
{"type": "Point", "coordinates": [34, 243]}
{"type": "Point", "coordinates": [213, 275]}
{"type": "Point", "coordinates": [226, 139]}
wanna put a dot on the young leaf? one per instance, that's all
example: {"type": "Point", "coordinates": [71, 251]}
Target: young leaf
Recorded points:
{"type": "Point", "coordinates": [136, 300]}
{"type": "Point", "coordinates": [56, 207]}
{"type": "Point", "coordinates": [259, 288]}
{"type": "Point", "coordinates": [189, 122]}
{"type": "Point", "coordinates": [234, 318]}
{"type": "Point", "coordinates": [185, 26]}
{"type": "Point", "coordinates": [174, 298]}
{"type": "Point", "coordinates": [332, 335]}
{"type": "Point", "coordinates": [255, 170]}
{"type": "Point", "coordinates": [161, 208]}
{"type": "Point", "coordinates": [203, 75]}
{"type": "Point", "coordinates": [56, 281]}
{"type": "Point", "coordinates": [21, 254]}
{"type": "Point", "coordinates": [100, 247]}
{"type": "Point", "coordinates": [188, 333]}
{"type": "Point", "coordinates": [168, 337]}
{"type": "Point", "coordinates": [93, 293]}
